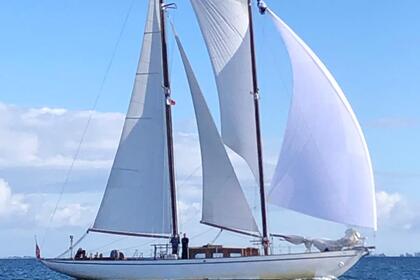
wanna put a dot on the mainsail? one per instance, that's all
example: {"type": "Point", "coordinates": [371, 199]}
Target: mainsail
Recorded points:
{"type": "Point", "coordinates": [137, 198]}
{"type": "Point", "coordinates": [225, 27]}
{"type": "Point", "coordinates": [324, 169]}
{"type": "Point", "coordinates": [224, 203]}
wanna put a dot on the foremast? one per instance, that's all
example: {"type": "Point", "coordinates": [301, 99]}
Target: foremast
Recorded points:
{"type": "Point", "coordinates": [255, 93]}
{"type": "Point", "coordinates": [168, 114]}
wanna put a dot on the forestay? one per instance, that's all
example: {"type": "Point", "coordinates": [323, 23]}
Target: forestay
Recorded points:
{"type": "Point", "coordinates": [137, 197]}
{"type": "Point", "coordinates": [225, 27]}
{"type": "Point", "coordinates": [224, 203]}
{"type": "Point", "coordinates": [324, 169]}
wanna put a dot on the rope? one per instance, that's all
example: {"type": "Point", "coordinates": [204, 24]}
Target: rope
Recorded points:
{"type": "Point", "coordinates": [95, 103]}
{"type": "Point", "coordinates": [186, 179]}
{"type": "Point", "coordinates": [201, 233]}
{"type": "Point", "coordinates": [217, 236]}
{"type": "Point", "coordinates": [74, 245]}
{"type": "Point", "coordinates": [108, 244]}
{"type": "Point", "coordinates": [131, 247]}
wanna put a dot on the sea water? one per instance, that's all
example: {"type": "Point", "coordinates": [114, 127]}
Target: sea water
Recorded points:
{"type": "Point", "coordinates": [374, 268]}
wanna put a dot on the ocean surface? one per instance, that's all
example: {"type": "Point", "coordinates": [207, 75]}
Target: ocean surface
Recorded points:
{"type": "Point", "coordinates": [377, 268]}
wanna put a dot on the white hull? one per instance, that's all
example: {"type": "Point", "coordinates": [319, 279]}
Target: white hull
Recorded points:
{"type": "Point", "coordinates": [288, 266]}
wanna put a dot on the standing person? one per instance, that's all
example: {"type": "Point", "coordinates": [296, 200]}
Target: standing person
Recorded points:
{"type": "Point", "coordinates": [184, 242]}
{"type": "Point", "coordinates": [175, 244]}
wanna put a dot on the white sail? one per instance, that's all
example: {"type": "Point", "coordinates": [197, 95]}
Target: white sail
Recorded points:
{"type": "Point", "coordinates": [324, 169]}
{"type": "Point", "coordinates": [225, 27]}
{"type": "Point", "coordinates": [224, 203]}
{"type": "Point", "coordinates": [137, 198]}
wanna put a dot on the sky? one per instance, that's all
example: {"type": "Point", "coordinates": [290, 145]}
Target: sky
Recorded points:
{"type": "Point", "coordinates": [56, 57]}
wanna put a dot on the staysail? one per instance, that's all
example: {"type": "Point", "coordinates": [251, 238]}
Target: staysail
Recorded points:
{"type": "Point", "coordinates": [225, 27]}
{"type": "Point", "coordinates": [324, 169]}
{"type": "Point", "coordinates": [137, 198]}
{"type": "Point", "coordinates": [224, 203]}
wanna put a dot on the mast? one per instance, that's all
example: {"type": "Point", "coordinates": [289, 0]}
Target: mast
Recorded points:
{"type": "Point", "coordinates": [255, 92]}
{"type": "Point", "coordinates": [168, 113]}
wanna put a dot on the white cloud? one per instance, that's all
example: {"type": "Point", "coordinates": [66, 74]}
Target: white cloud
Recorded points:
{"type": "Point", "coordinates": [34, 210]}
{"type": "Point", "coordinates": [49, 137]}
{"type": "Point", "coordinates": [187, 155]}
{"type": "Point", "coordinates": [11, 204]}
{"type": "Point", "coordinates": [68, 215]}
{"type": "Point", "coordinates": [189, 211]}
{"type": "Point", "coordinates": [396, 211]}
{"type": "Point", "coordinates": [386, 203]}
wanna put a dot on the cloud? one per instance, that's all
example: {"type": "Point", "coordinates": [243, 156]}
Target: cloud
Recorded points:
{"type": "Point", "coordinates": [34, 210]}
{"type": "Point", "coordinates": [11, 204]}
{"type": "Point", "coordinates": [49, 137]}
{"type": "Point", "coordinates": [19, 210]}
{"type": "Point", "coordinates": [394, 122]}
{"type": "Point", "coordinates": [397, 212]}
{"type": "Point", "coordinates": [386, 203]}
{"type": "Point", "coordinates": [189, 211]}
{"type": "Point", "coordinates": [71, 214]}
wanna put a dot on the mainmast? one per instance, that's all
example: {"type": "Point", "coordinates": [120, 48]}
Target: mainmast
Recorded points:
{"type": "Point", "coordinates": [255, 92]}
{"type": "Point", "coordinates": [168, 113]}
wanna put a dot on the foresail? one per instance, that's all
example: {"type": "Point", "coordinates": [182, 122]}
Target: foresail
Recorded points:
{"type": "Point", "coordinates": [137, 198]}
{"type": "Point", "coordinates": [224, 203]}
{"type": "Point", "coordinates": [324, 169]}
{"type": "Point", "coordinates": [225, 27]}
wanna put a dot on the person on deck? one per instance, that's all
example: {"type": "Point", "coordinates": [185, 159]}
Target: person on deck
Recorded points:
{"type": "Point", "coordinates": [175, 244]}
{"type": "Point", "coordinates": [79, 254]}
{"type": "Point", "coordinates": [184, 242]}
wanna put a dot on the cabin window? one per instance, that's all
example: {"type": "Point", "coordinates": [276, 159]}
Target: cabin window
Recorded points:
{"type": "Point", "coordinates": [200, 256]}
{"type": "Point", "coordinates": [217, 255]}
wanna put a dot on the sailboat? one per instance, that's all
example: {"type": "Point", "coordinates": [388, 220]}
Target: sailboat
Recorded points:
{"type": "Point", "coordinates": [324, 168]}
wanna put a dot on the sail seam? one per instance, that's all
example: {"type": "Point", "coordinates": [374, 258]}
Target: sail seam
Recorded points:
{"type": "Point", "coordinates": [126, 169]}
{"type": "Point", "coordinates": [147, 73]}
{"type": "Point", "coordinates": [138, 118]}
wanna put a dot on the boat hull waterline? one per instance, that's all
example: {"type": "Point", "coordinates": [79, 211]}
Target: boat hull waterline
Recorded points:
{"type": "Point", "coordinates": [286, 266]}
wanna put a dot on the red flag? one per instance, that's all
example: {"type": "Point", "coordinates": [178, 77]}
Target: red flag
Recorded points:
{"type": "Point", "coordinates": [170, 101]}
{"type": "Point", "coordinates": [37, 251]}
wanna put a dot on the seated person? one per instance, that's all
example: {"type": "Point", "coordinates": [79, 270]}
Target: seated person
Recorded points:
{"type": "Point", "coordinates": [114, 255]}
{"type": "Point", "coordinates": [79, 254]}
